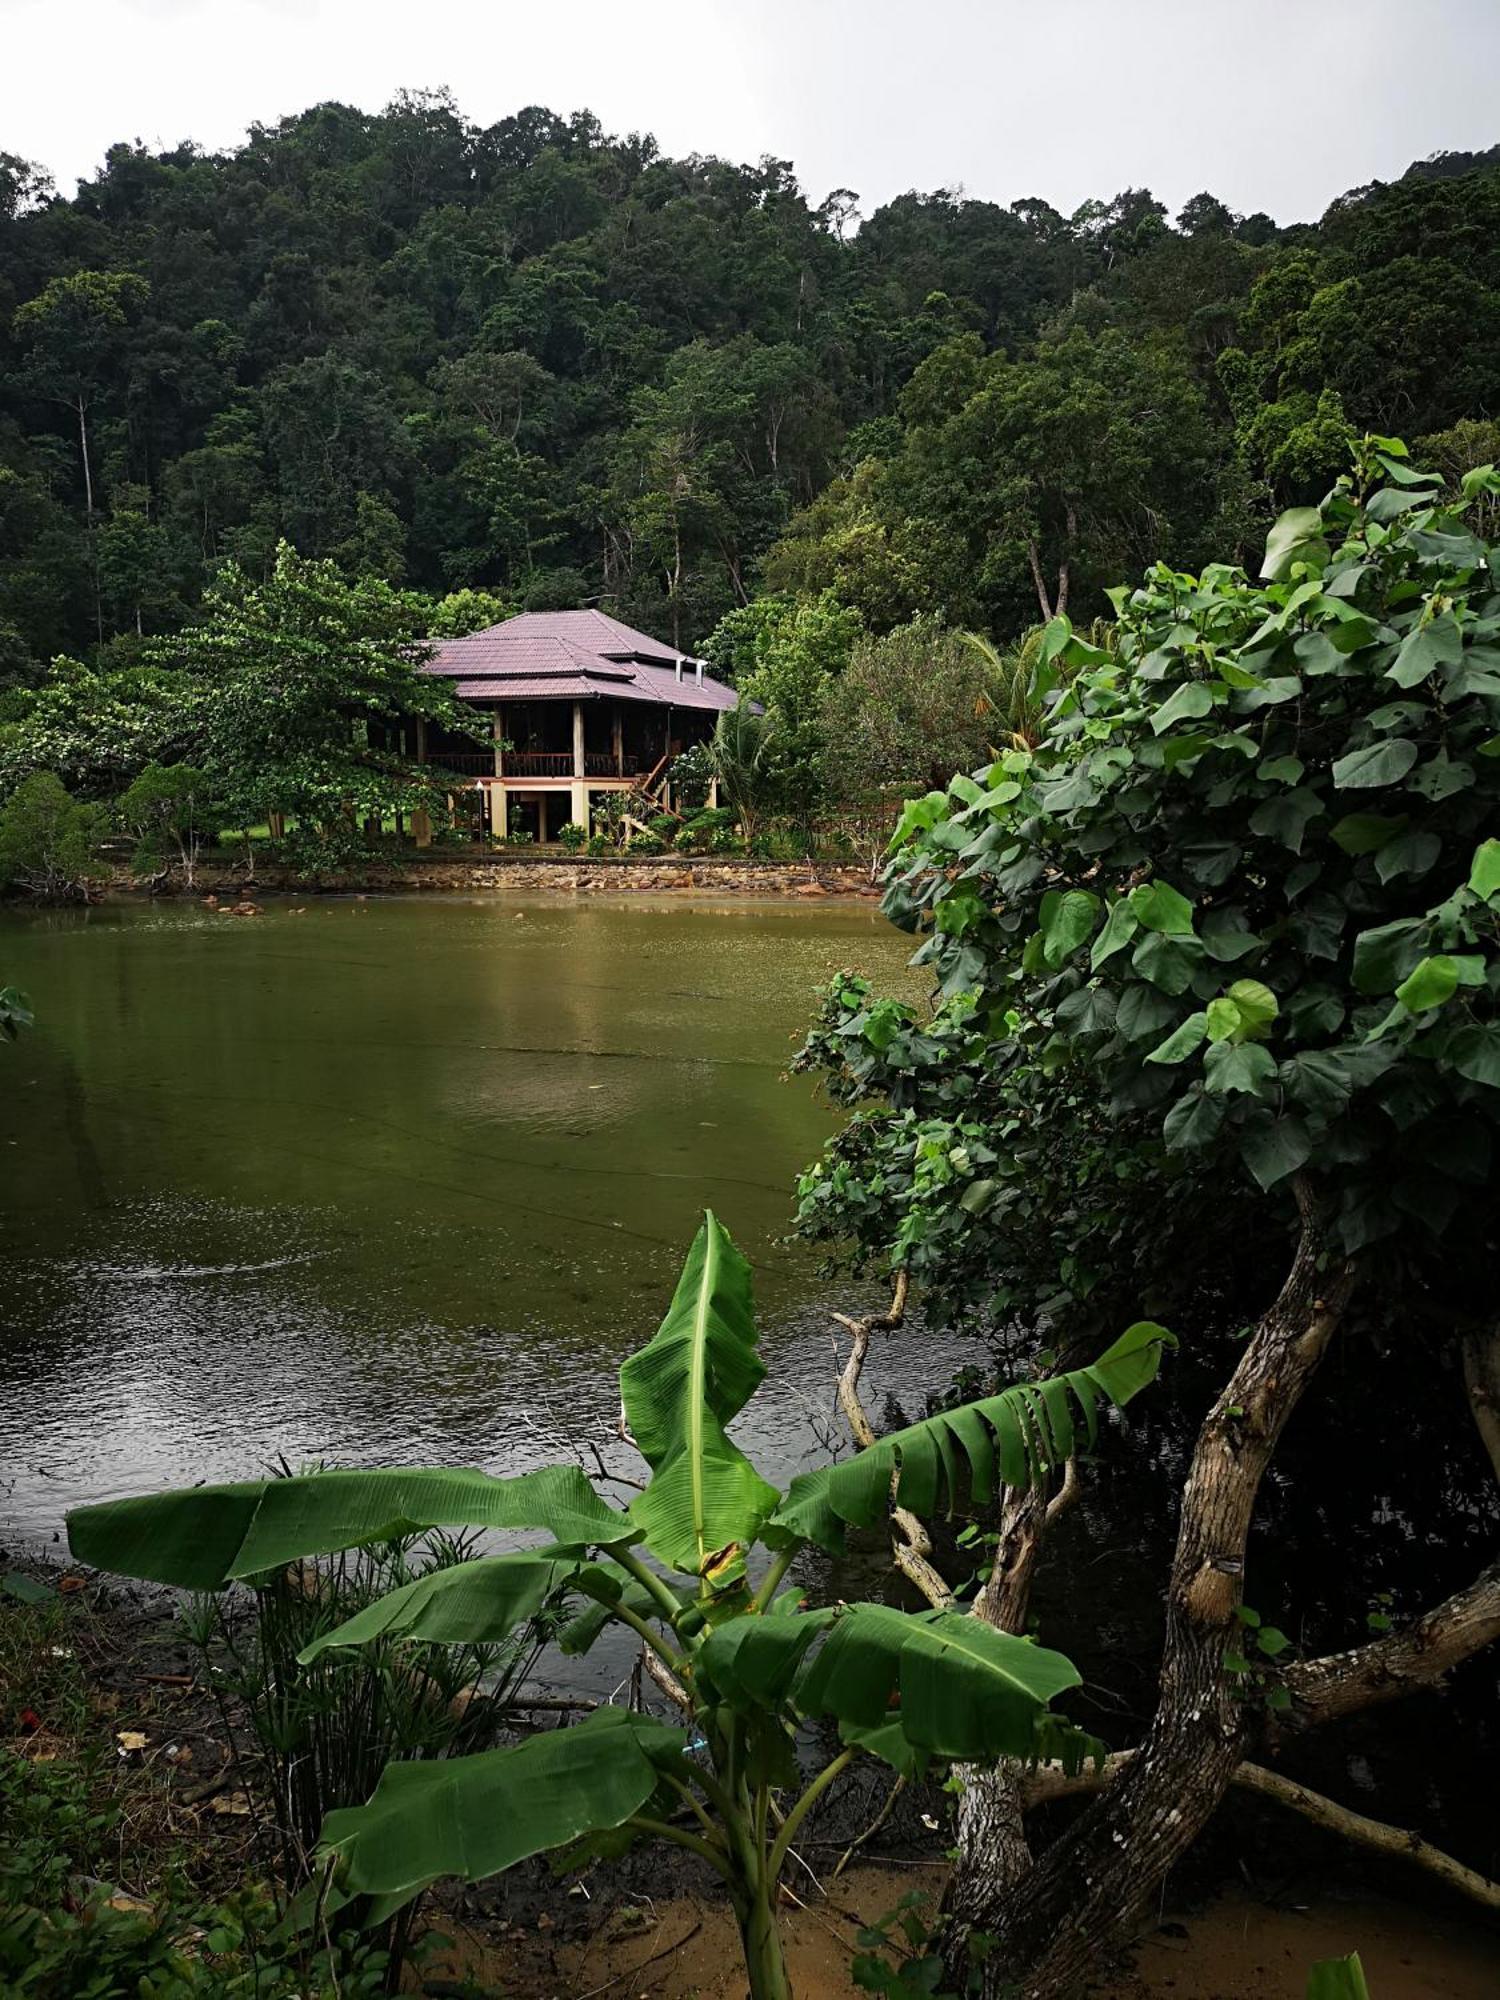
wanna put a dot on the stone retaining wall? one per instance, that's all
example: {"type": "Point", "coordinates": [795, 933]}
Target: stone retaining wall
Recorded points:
{"type": "Point", "coordinates": [530, 874]}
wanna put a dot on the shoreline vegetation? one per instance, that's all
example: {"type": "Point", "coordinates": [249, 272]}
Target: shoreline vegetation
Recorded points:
{"type": "Point", "coordinates": [151, 1780]}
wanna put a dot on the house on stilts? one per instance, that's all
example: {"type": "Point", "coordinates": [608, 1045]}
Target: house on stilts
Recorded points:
{"type": "Point", "coordinates": [581, 705]}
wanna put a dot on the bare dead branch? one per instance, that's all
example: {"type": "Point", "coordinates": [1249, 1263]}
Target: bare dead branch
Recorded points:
{"type": "Point", "coordinates": [1051, 1781]}
{"type": "Point", "coordinates": [911, 1545]}
{"type": "Point", "coordinates": [871, 1830]}
{"type": "Point", "coordinates": [1371, 1833]}
{"type": "Point", "coordinates": [1067, 1495]}
{"type": "Point", "coordinates": [667, 1681]}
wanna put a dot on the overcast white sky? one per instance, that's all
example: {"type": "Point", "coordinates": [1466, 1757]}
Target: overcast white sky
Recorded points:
{"type": "Point", "coordinates": [1270, 104]}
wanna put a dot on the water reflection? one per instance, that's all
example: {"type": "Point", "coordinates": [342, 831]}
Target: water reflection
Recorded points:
{"type": "Point", "coordinates": [390, 1180]}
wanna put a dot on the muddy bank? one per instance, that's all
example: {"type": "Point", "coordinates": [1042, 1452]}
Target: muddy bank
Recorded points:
{"type": "Point", "coordinates": [516, 873]}
{"type": "Point", "coordinates": [1237, 1948]}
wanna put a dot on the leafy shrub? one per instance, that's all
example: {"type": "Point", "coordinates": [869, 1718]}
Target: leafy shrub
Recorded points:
{"type": "Point", "coordinates": [167, 808]}
{"type": "Point", "coordinates": [724, 841]}
{"type": "Point", "coordinates": [644, 843]}
{"type": "Point", "coordinates": [665, 827]}
{"type": "Point", "coordinates": [48, 841]}
{"type": "Point", "coordinates": [713, 819]}
{"type": "Point", "coordinates": [685, 840]}
{"type": "Point", "coordinates": [599, 845]}
{"type": "Point", "coordinates": [691, 775]}
{"type": "Point", "coordinates": [520, 838]}
{"type": "Point", "coordinates": [778, 843]}
{"type": "Point", "coordinates": [1248, 877]}
{"type": "Point", "coordinates": [572, 836]}
{"type": "Point", "coordinates": [313, 852]}
{"type": "Point", "coordinates": [72, 1824]}
{"type": "Point", "coordinates": [327, 1731]}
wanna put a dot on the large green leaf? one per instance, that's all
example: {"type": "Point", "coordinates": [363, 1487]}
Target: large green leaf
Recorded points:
{"type": "Point", "coordinates": [1295, 534]}
{"type": "Point", "coordinates": [474, 1816]}
{"type": "Point", "coordinates": [205, 1536]}
{"type": "Point", "coordinates": [679, 1392]}
{"type": "Point", "coordinates": [952, 1685]}
{"type": "Point", "coordinates": [1484, 876]}
{"type": "Point", "coordinates": [1376, 764]}
{"type": "Point", "coordinates": [1011, 1439]}
{"type": "Point", "coordinates": [753, 1662]}
{"type": "Point", "coordinates": [1338, 1979]}
{"type": "Point", "coordinates": [956, 1686]}
{"type": "Point", "coordinates": [472, 1603]}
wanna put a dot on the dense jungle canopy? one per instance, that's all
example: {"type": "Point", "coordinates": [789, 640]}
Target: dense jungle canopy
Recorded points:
{"type": "Point", "coordinates": [547, 363]}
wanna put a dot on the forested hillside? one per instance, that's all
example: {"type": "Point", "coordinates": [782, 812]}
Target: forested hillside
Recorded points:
{"type": "Point", "coordinates": [551, 364]}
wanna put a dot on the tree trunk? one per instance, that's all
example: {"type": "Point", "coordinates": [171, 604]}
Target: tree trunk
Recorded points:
{"type": "Point", "coordinates": [83, 446]}
{"type": "Point", "coordinates": [1033, 556]}
{"type": "Point", "coordinates": [1079, 1901]}
{"type": "Point", "coordinates": [1065, 567]}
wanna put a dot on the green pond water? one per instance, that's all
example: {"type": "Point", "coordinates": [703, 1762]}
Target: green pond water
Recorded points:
{"type": "Point", "coordinates": [393, 1180]}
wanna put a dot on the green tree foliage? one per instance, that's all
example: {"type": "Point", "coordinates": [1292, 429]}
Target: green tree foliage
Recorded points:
{"type": "Point", "coordinates": [542, 361]}
{"type": "Point", "coordinates": [300, 696]}
{"type": "Point", "coordinates": [71, 336]}
{"type": "Point", "coordinates": [784, 653]}
{"type": "Point", "coordinates": [97, 727]}
{"type": "Point", "coordinates": [170, 809]}
{"type": "Point", "coordinates": [48, 844]}
{"type": "Point", "coordinates": [1235, 910]}
{"type": "Point", "coordinates": [911, 709]}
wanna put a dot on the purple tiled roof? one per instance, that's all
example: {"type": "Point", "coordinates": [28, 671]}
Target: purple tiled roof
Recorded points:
{"type": "Point", "coordinates": [575, 656]}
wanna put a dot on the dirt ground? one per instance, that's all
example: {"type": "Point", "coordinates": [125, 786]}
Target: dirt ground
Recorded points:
{"type": "Point", "coordinates": [1236, 1949]}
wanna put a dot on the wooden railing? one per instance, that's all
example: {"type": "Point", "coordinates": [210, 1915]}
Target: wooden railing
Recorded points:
{"type": "Point", "coordinates": [465, 762]}
{"type": "Point", "coordinates": [533, 763]}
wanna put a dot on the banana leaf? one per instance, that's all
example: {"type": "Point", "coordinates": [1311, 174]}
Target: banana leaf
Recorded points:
{"type": "Point", "coordinates": [206, 1536]}
{"type": "Point", "coordinates": [680, 1391]}
{"type": "Point", "coordinates": [1009, 1439]}
{"type": "Point", "coordinates": [954, 1686]}
{"type": "Point", "coordinates": [1338, 1979]}
{"type": "Point", "coordinates": [474, 1603]}
{"type": "Point", "coordinates": [474, 1816]}
{"type": "Point", "coordinates": [753, 1662]}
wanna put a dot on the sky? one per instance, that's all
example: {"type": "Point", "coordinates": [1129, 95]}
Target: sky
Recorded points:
{"type": "Point", "coordinates": [1269, 104]}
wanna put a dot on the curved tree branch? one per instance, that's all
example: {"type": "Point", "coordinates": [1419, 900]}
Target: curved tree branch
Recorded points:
{"type": "Point", "coordinates": [1051, 1781]}
{"type": "Point", "coordinates": [1371, 1833]}
{"type": "Point", "coordinates": [1401, 1663]}
{"type": "Point", "coordinates": [1416, 1658]}
{"type": "Point", "coordinates": [911, 1545]}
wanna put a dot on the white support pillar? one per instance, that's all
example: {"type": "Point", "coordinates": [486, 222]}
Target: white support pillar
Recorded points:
{"type": "Point", "coordinates": [499, 812]}
{"type": "Point", "coordinates": [617, 737]}
{"type": "Point", "coordinates": [499, 739]}
{"type": "Point", "coordinates": [580, 809]}
{"type": "Point", "coordinates": [578, 770]}
{"type": "Point", "coordinates": [543, 799]}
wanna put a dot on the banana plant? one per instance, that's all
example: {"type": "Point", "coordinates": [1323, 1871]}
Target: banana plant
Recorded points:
{"type": "Point", "coordinates": [696, 1570]}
